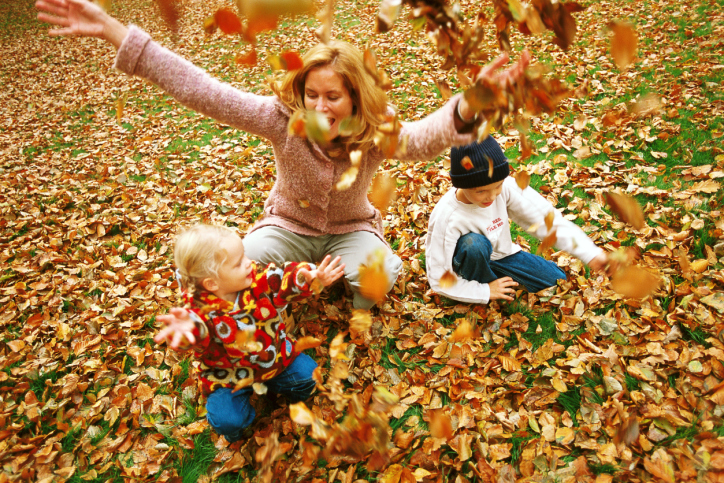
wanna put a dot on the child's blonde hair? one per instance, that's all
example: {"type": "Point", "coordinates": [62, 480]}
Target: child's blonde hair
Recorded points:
{"type": "Point", "coordinates": [198, 254]}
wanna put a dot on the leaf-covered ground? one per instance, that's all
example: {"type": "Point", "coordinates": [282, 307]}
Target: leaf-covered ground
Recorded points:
{"type": "Point", "coordinates": [99, 170]}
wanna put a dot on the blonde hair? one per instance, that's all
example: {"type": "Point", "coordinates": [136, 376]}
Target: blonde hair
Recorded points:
{"type": "Point", "coordinates": [368, 99]}
{"type": "Point", "coordinates": [198, 254]}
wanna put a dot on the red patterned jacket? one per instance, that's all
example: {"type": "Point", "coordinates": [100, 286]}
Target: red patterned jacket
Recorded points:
{"type": "Point", "coordinates": [224, 343]}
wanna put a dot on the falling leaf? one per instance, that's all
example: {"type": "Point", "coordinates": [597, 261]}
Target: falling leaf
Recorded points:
{"type": "Point", "coordinates": [301, 414]}
{"type": "Point", "coordinates": [349, 126]}
{"type": "Point", "coordinates": [170, 13]}
{"type": "Point", "coordinates": [550, 216]}
{"type": "Point", "coordinates": [522, 179]}
{"type": "Point", "coordinates": [448, 280]}
{"type": "Point", "coordinates": [440, 424]}
{"type": "Point", "coordinates": [462, 332]}
{"type": "Point", "coordinates": [626, 208]}
{"type": "Point", "coordinates": [444, 89]}
{"type": "Point", "coordinates": [389, 11]}
{"type": "Point", "coordinates": [347, 178]}
{"type": "Point", "coordinates": [548, 242]}
{"type": "Point", "coordinates": [338, 347]}
{"type": "Point", "coordinates": [246, 59]}
{"type": "Point", "coordinates": [227, 21]}
{"type": "Point", "coordinates": [355, 157]}
{"type": "Point", "coordinates": [373, 277]}
{"type": "Point", "coordinates": [360, 321]}
{"type": "Point", "coordinates": [383, 191]}
{"type": "Point", "coordinates": [292, 60]}
{"type": "Point", "coordinates": [303, 203]}
{"type": "Point", "coordinates": [635, 282]}
{"type": "Point", "coordinates": [580, 122]}
{"type": "Point", "coordinates": [297, 124]}
{"type": "Point", "coordinates": [307, 342]}
{"type": "Point", "coordinates": [317, 127]}
{"type": "Point", "coordinates": [467, 163]}
{"type": "Point", "coordinates": [259, 388]}
{"type": "Point", "coordinates": [624, 43]}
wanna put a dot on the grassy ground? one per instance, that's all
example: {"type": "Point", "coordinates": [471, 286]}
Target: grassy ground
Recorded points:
{"type": "Point", "coordinates": [99, 170]}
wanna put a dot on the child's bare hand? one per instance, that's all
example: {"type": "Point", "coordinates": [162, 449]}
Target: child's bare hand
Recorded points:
{"type": "Point", "coordinates": [178, 325]}
{"type": "Point", "coordinates": [327, 272]}
{"type": "Point", "coordinates": [502, 288]}
{"type": "Point", "coordinates": [603, 262]}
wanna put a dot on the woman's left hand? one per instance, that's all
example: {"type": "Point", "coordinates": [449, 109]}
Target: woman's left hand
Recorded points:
{"type": "Point", "coordinates": [327, 272]}
{"type": "Point", "coordinates": [495, 76]}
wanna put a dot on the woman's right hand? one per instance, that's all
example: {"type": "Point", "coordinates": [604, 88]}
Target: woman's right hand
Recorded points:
{"type": "Point", "coordinates": [80, 17]}
{"type": "Point", "coordinates": [500, 288]}
{"type": "Point", "coordinates": [178, 325]}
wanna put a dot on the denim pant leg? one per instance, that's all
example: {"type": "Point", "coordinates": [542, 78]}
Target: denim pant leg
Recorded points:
{"type": "Point", "coordinates": [533, 272]}
{"type": "Point", "coordinates": [296, 381]}
{"type": "Point", "coordinates": [471, 259]}
{"type": "Point", "coordinates": [229, 413]}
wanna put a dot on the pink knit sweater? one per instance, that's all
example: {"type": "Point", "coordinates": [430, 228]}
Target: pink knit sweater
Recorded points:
{"type": "Point", "coordinates": [304, 199]}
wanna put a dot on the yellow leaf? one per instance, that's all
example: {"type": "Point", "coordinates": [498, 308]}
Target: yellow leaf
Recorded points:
{"type": "Point", "coordinates": [361, 320]}
{"type": "Point", "coordinates": [510, 364]}
{"type": "Point", "coordinates": [383, 191]}
{"type": "Point", "coordinates": [307, 342]}
{"type": "Point", "coordinates": [550, 216]}
{"type": "Point", "coordinates": [462, 332]}
{"type": "Point", "coordinates": [699, 265]}
{"type": "Point", "coordinates": [347, 178]}
{"type": "Point", "coordinates": [522, 178]}
{"type": "Point", "coordinates": [301, 414]}
{"type": "Point", "coordinates": [634, 282]}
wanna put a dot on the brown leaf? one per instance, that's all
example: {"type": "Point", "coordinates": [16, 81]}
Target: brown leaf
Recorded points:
{"type": "Point", "coordinates": [463, 331]}
{"type": "Point", "coordinates": [550, 216]}
{"type": "Point", "coordinates": [624, 43]}
{"type": "Point", "coordinates": [170, 13]}
{"type": "Point", "coordinates": [634, 282]}
{"type": "Point", "coordinates": [249, 58]}
{"type": "Point", "coordinates": [626, 208]}
{"type": "Point", "coordinates": [548, 242]}
{"type": "Point", "coordinates": [440, 424]}
{"type": "Point", "coordinates": [301, 414]}
{"type": "Point", "coordinates": [444, 89]}
{"type": "Point", "coordinates": [467, 163]}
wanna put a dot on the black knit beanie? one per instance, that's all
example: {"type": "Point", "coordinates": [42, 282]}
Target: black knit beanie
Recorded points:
{"type": "Point", "coordinates": [474, 173]}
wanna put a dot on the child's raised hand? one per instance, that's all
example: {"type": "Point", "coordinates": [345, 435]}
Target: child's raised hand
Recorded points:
{"type": "Point", "coordinates": [327, 272]}
{"type": "Point", "coordinates": [500, 288]}
{"type": "Point", "coordinates": [178, 325]}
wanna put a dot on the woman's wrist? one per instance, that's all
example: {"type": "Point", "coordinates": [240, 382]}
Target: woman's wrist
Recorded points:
{"type": "Point", "coordinates": [114, 31]}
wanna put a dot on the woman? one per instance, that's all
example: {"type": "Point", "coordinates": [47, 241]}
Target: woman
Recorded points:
{"type": "Point", "coordinates": [305, 217]}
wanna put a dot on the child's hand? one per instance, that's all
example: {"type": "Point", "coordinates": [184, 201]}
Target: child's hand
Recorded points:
{"type": "Point", "coordinates": [500, 288]}
{"type": "Point", "coordinates": [178, 325]}
{"type": "Point", "coordinates": [327, 272]}
{"type": "Point", "coordinates": [603, 262]}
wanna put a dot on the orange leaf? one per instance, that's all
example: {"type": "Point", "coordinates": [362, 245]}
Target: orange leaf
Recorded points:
{"type": "Point", "coordinates": [307, 342]}
{"type": "Point", "coordinates": [383, 191]}
{"type": "Point", "coordinates": [292, 60]}
{"type": "Point", "coordinates": [634, 282]}
{"type": "Point", "coordinates": [227, 21]}
{"type": "Point", "coordinates": [448, 279]}
{"type": "Point", "coordinates": [440, 424]}
{"type": "Point", "coordinates": [624, 43]}
{"type": "Point", "coordinates": [548, 242]}
{"type": "Point", "coordinates": [626, 208]}
{"type": "Point", "coordinates": [463, 331]}
{"type": "Point", "coordinates": [301, 414]}
{"type": "Point", "coordinates": [247, 59]}
{"type": "Point", "coordinates": [373, 278]}
{"type": "Point", "coordinates": [467, 163]}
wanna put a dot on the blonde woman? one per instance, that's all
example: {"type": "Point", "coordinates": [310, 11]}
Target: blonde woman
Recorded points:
{"type": "Point", "coordinates": [305, 217]}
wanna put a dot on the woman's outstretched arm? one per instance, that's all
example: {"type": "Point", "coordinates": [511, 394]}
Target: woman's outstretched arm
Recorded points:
{"type": "Point", "coordinates": [188, 84]}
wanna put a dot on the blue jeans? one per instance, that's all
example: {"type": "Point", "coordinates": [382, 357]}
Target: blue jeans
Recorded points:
{"type": "Point", "coordinates": [471, 261]}
{"type": "Point", "coordinates": [229, 413]}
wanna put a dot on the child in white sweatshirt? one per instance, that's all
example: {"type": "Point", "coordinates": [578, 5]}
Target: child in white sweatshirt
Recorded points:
{"type": "Point", "coordinates": [469, 232]}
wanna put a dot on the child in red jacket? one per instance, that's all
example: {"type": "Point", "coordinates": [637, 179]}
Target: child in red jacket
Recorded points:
{"type": "Point", "coordinates": [234, 324]}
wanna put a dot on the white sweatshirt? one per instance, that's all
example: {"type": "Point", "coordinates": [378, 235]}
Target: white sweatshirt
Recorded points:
{"type": "Point", "coordinates": [451, 219]}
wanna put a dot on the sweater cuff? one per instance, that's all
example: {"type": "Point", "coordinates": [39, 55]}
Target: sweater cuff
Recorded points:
{"type": "Point", "coordinates": [131, 49]}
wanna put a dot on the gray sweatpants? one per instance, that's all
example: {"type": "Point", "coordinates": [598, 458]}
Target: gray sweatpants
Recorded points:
{"type": "Point", "coordinates": [273, 244]}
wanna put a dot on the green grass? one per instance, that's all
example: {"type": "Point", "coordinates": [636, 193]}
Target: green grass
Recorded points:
{"type": "Point", "coordinates": [571, 402]}
{"type": "Point", "coordinates": [195, 463]}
